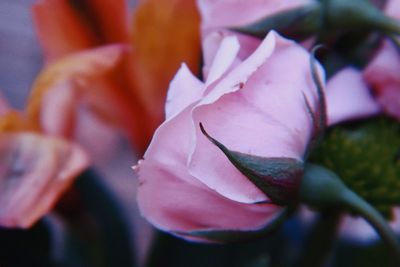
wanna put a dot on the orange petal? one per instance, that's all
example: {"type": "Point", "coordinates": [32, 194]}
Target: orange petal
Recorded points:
{"type": "Point", "coordinates": [34, 172]}
{"type": "Point", "coordinates": [66, 26]}
{"type": "Point", "coordinates": [165, 33]}
{"type": "Point", "coordinates": [64, 84]}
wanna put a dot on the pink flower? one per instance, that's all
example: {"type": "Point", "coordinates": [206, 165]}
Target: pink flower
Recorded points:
{"type": "Point", "coordinates": [255, 106]}
{"type": "Point", "coordinates": [382, 74]}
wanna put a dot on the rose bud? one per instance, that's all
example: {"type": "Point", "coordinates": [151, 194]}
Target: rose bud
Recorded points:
{"type": "Point", "coordinates": [263, 106]}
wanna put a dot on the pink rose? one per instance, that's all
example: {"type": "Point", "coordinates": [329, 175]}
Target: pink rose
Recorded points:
{"type": "Point", "coordinates": [255, 106]}
{"type": "Point", "coordinates": [382, 74]}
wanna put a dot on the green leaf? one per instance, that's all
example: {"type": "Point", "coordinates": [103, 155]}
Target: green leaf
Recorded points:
{"type": "Point", "coordinates": [278, 178]}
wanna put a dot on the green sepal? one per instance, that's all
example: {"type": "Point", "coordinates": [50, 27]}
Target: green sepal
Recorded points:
{"type": "Point", "coordinates": [297, 23]}
{"type": "Point", "coordinates": [278, 178]}
{"type": "Point", "coordinates": [229, 236]}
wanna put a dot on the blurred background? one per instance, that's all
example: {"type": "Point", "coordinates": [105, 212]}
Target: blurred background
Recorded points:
{"type": "Point", "coordinates": [20, 62]}
{"type": "Point", "coordinates": [20, 55]}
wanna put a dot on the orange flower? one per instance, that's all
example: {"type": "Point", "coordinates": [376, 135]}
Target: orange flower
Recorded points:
{"type": "Point", "coordinates": [94, 65]}
{"type": "Point", "coordinates": [131, 92]}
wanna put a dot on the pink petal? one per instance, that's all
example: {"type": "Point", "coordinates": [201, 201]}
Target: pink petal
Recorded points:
{"type": "Point", "coordinates": [382, 72]}
{"type": "Point", "coordinates": [257, 108]}
{"type": "Point", "coordinates": [390, 100]}
{"type": "Point", "coordinates": [348, 97]}
{"type": "Point", "coordinates": [184, 89]}
{"type": "Point", "coordinates": [242, 72]}
{"type": "Point", "coordinates": [211, 45]}
{"type": "Point", "coordinates": [171, 203]}
{"type": "Point", "coordinates": [35, 171]}
{"type": "Point", "coordinates": [171, 141]}
{"type": "Point", "coordinates": [392, 8]}
{"type": "Point", "coordinates": [383, 69]}
{"type": "Point", "coordinates": [223, 59]}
